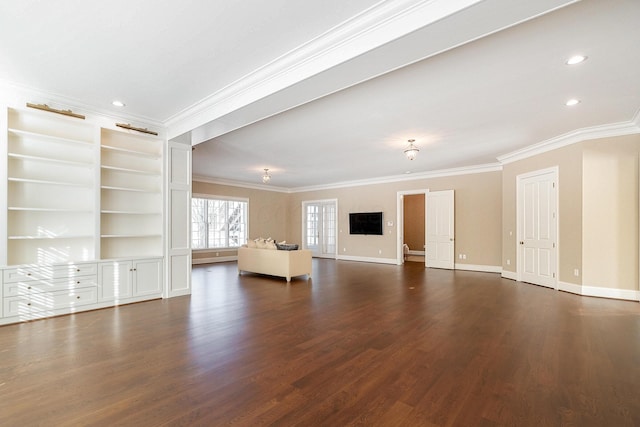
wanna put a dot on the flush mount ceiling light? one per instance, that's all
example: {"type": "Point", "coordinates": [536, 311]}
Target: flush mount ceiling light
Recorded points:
{"type": "Point", "coordinates": [118, 103]}
{"type": "Point", "coordinates": [572, 102]}
{"type": "Point", "coordinates": [576, 59]}
{"type": "Point", "coordinates": [411, 151]}
{"type": "Point", "coordinates": [266, 177]}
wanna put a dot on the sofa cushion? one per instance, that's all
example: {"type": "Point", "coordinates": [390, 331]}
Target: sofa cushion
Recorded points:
{"type": "Point", "coordinates": [287, 247]}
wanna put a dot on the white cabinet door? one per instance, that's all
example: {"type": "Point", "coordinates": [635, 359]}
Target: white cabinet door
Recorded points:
{"type": "Point", "coordinates": [147, 277]}
{"type": "Point", "coordinates": [115, 281]}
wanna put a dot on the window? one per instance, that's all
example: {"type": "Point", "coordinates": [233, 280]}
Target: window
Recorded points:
{"type": "Point", "coordinates": [218, 223]}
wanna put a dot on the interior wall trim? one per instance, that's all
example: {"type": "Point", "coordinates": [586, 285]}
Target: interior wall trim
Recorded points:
{"type": "Point", "coordinates": [366, 259]}
{"type": "Point", "coordinates": [600, 292]}
{"type": "Point", "coordinates": [479, 268]}
{"type": "Point", "coordinates": [380, 24]}
{"type": "Point", "coordinates": [595, 132]}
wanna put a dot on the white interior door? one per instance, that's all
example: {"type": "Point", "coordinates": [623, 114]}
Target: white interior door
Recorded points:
{"type": "Point", "coordinates": [440, 218]}
{"type": "Point", "coordinates": [537, 228]}
{"type": "Point", "coordinates": [320, 228]}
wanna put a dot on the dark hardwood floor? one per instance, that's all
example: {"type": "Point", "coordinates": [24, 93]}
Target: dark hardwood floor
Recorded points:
{"type": "Point", "coordinates": [359, 344]}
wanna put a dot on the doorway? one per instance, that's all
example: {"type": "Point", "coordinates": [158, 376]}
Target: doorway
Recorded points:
{"type": "Point", "coordinates": [537, 225]}
{"type": "Point", "coordinates": [319, 227]}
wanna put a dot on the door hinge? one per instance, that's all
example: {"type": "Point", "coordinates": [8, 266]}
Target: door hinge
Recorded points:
{"type": "Point", "coordinates": [554, 244]}
{"type": "Point", "coordinates": [554, 185]}
{"type": "Point", "coordinates": [554, 275]}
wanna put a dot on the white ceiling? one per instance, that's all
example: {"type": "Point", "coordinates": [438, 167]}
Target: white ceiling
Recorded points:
{"type": "Point", "coordinates": [325, 92]}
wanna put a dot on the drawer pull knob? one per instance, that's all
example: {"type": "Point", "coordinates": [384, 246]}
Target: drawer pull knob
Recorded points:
{"type": "Point", "coordinates": [28, 274]}
{"type": "Point", "coordinates": [78, 297]}
{"type": "Point", "coordinates": [78, 270]}
{"type": "Point", "coordinates": [28, 303]}
{"type": "Point", "coordinates": [78, 282]}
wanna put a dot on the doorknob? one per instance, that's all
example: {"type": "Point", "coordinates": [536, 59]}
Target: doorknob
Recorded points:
{"type": "Point", "coordinates": [522, 243]}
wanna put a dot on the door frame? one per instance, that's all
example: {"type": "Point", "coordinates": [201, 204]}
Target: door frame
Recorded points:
{"type": "Point", "coordinates": [400, 220]}
{"type": "Point", "coordinates": [304, 224]}
{"type": "Point", "coordinates": [519, 220]}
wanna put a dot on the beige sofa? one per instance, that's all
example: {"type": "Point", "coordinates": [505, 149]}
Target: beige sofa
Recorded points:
{"type": "Point", "coordinates": [286, 264]}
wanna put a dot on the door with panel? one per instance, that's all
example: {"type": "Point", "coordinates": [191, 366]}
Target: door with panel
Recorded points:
{"type": "Point", "coordinates": [537, 228]}
{"type": "Point", "coordinates": [440, 225]}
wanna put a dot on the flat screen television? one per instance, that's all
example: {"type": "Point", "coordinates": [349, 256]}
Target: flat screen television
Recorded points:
{"type": "Point", "coordinates": [365, 223]}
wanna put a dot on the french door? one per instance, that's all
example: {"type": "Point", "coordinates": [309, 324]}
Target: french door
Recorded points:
{"type": "Point", "coordinates": [537, 227]}
{"type": "Point", "coordinates": [319, 227]}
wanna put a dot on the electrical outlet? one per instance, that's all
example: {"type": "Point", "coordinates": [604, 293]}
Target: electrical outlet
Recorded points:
{"type": "Point", "coordinates": [464, 256]}
{"type": "Point", "coordinates": [508, 262]}
{"type": "Point", "coordinates": [459, 256]}
{"type": "Point", "coordinates": [576, 272]}
{"type": "Point", "coordinates": [379, 251]}
{"type": "Point", "coordinates": [217, 253]}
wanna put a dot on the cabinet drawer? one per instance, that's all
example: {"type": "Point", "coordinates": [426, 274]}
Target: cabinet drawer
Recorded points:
{"type": "Point", "coordinates": [26, 287]}
{"type": "Point", "coordinates": [48, 272]}
{"type": "Point", "coordinates": [48, 302]}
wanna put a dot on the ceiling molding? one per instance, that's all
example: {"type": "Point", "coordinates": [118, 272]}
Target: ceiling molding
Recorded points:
{"type": "Point", "coordinates": [19, 94]}
{"type": "Point", "coordinates": [467, 170]}
{"type": "Point", "coordinates": [232, 183]}
{"type": "Point", "coordinates": [595, 132]}
{"type": "Point", "coordinates": [380, 24]}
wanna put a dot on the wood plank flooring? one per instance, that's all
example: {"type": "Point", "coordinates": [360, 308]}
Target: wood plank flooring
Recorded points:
{"type": "Point", "coordinates": [358, 344]}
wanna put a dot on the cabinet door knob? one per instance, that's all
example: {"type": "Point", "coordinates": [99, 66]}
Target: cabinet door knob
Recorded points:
{"type": "Point", "coordinates": [78, 282]}
{"type": "Point", "coordinates": [78, 270]}
{"type": "Point", "coordinates": [28, 274]}
{"type": "Point", "coordinates": [28, 303]}
{"type": "Point", "coordinates": [78, 297]}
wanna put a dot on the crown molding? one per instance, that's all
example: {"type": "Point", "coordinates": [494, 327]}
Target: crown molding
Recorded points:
{"type": "Point", "coordinates": [380, 24]}
{"type": "Point", "coordinates": [467, 170]}
{"type": "Point", "coordinates": [18, 94]}
{"type": "Point", "coordinates": [595, 132]}
{"type": "Point", "coordinates": [232, 183]}
{"type": "Point", "coordinates": [492, 167]}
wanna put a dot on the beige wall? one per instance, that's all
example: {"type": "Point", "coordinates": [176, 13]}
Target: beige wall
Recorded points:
{"type": "Point", "coordinates": [414, 221]}
{"type": "Point", "coordinates": [610, 213]}
{"type": "Point", "coordinates": [569, 161]}
{"type": "Point", "coordinates": [598, 211]}
{"type": "Point", "coordinates": [478, 201]}
{"type": "Point", "coordinates": [268, 214]}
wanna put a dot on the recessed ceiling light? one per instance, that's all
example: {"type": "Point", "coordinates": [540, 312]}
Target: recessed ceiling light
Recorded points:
{"type": "Point", "coordinates": [576, 59]}
{"type": "Point", "coordinates": [572, 102]}
{"type": "Point", "coordinates": [118, 103]}
{"type": "Point", "coordinates": [407, 172]}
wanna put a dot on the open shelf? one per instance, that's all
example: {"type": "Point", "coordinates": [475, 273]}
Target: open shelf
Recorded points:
{"type": "Point", "coordinates": [46, 182]}
{"type": "Point", "coordinates": [49, 160]}
{"type": "Point", "coordinates": [130, 170]}
{"type": "Point", "coordinates": [45, 137]}
{"type": "Point", "coordinates": [135, 153]}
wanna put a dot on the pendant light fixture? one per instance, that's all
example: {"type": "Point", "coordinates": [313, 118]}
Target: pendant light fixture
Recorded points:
{"type": "Point", "coordinates": [411, 151]}
{"type": "Point", "coordinates": [266, 177]}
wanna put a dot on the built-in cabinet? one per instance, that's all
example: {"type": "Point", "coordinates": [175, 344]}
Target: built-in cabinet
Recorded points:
{"type": "Point", "coordinates": [129, 281]}
{"type": "Point", "coordinates": [83, 224]}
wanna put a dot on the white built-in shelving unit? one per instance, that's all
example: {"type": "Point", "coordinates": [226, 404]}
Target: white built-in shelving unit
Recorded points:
{"type": "Point", "coordinates": [84, 199]}
{"type": "Point", "coordinates": [130, 195]}
{"type": "Point", "coordinates": [50, 188]}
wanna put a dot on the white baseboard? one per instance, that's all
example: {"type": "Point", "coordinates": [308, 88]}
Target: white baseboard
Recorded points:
{"type": "Point", "coordinates": [419, 253]}
{"type": "Point", "coordinates": [482, 268]}
{"type": "Point", "coordinates": [512, 275]}
{"type": "Point", "coordinates": [625, 294]}
{"type": "Point", "coordinates": [213, 259]}
{"type": "Point", "coordinates": [367, 259]}
{"type": "Point", "coordinates": [597, 291]}
{"type": "Point", "coordinates": [570, 287]}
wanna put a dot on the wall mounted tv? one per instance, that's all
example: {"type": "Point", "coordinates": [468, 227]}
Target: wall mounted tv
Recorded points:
{"type": "Point", "coordinates": [365, 223]}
